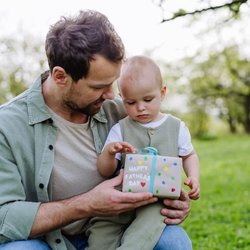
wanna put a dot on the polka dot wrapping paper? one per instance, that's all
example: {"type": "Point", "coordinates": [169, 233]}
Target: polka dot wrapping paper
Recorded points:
{"type": "Point", "coordinates": [160, 175]}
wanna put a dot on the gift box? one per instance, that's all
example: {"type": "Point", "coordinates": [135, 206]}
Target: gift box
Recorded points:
{"type": "Point", "coordinates": [147, 171]}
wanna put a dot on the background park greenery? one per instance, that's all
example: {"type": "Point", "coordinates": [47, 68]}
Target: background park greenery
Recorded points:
{"type": "Point", "coordinates": [220, 218]}
{"type": "Point", "coordinates": [214, 90]}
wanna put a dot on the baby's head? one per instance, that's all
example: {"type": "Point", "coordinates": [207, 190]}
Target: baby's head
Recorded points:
{"type": "Point", "coordinates": [141, 88]}
{"type": "Point", "coordinates": [140, 70]}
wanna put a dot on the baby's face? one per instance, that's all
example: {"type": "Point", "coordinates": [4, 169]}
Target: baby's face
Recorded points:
{"type": "Point", "coordinates": [142, 97]}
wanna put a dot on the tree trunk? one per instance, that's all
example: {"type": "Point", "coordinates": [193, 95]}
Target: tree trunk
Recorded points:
{"type": "Point", "coordinates": [232, 124]}
{"type": "Point", "coordinates": [247, 111]}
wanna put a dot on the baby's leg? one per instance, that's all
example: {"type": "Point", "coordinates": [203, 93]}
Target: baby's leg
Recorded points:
{"type": "Point", "coordinates": [106, 232]}
{"type": "Point", "coordinates": [145, 231]}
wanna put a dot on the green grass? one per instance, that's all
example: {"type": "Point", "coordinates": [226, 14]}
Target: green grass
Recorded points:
{"type": "Point", "coordinates": [220, 219]}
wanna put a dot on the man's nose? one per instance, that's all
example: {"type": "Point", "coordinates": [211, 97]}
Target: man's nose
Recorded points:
{"type": "Point", "coordinates": [108, 93]}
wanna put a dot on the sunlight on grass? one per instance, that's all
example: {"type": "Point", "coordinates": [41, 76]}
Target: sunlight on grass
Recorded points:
{"type": "Point", "coordinates": [220, 218]}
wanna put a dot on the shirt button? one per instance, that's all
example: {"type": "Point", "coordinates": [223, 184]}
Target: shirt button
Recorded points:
{"type": "Point", "coordinates": [50, 147]}
{"type": "Point", "coordinates": [41, 185]}
{"type": "Point", "coordinates": [58, 241]}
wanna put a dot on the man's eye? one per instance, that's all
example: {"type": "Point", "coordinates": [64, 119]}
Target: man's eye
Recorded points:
{"type": "Point", "coordinates": [130, 103]}
{"type": "Point", "coordinates": [98, 88]}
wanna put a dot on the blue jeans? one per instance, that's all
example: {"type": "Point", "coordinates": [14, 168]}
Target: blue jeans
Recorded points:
{"type": "Point", "coordinates": [25, 245]}
{"type": "Point", "coordinates": [173, 238]}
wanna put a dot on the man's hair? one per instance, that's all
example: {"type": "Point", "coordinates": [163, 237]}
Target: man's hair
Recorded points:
{"type": "Point", "coordinates": [72, 43]}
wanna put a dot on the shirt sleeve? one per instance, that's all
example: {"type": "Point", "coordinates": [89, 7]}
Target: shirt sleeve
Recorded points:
{"type": "Point", "coordinates": [114, 136]}
{"type": "Point", "coordinates": [16, 212]}
{"type": "Point", "coordinates": [185, 146]}
{"type": "Point", "coordinates": [17, 219]}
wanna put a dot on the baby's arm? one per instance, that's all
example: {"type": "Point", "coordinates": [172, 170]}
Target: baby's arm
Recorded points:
{"type": "Point", "coordinates": [106, 161]}
{"type": "Point", "coordinates": [191, 167]}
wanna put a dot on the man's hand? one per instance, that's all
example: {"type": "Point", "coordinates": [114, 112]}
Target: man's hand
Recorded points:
{"type": "Point", "coordinates": [105, 200]}
{"type": "Point", "coordinates": [176, 211]}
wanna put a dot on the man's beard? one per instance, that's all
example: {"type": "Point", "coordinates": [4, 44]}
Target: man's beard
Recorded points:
{"type": "Point", "coordinates": [90, 110]}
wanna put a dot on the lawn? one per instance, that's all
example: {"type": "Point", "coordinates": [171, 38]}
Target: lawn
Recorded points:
{"type": "Point", "coordinates": [220, 219]}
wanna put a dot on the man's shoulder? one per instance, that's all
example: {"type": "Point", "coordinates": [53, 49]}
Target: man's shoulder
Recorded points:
{"type": "Point", "coordinates": [117, 101]}
{"type": "Point", "coordinates": [14, 105]}
{"type": "Point", "coordinates": [13, 115]}
{"type": "Point", "coordinates": [114, 108]}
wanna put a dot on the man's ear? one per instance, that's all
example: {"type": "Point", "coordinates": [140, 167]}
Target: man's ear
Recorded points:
{"type": "Point", "coordinates": [59, 76]}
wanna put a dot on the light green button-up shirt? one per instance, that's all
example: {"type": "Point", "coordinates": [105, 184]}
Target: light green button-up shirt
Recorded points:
{"type": "Point", "coordinates": [27, 137]}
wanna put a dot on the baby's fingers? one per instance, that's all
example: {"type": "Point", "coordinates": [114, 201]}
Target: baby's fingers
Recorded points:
{"type": "Point", "coordinates": [194, 194]}
{"type": "Point", "coordinates": [117, 147]}
{"type": "Point", "coordinates": [128, 147]}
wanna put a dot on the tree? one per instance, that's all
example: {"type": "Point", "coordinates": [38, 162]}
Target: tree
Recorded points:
{"type": "Point", "coordinates": [23, 60]}
{"type": "Point", "coordinates": [233, 7]}
{"type": "Point", "coordinates": [222, 82]}
{"type": "Point", "coordinates": [215, 79]}
{"type": "Point", "coordinates": [180, 101]}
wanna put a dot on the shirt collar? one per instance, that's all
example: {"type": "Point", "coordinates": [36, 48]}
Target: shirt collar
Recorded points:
{"type": "Point", "coordinates": [37, 109]}
{"type": "Point", "coordinates": [101, 116]}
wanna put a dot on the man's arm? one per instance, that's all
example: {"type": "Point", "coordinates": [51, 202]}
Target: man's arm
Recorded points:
{"type": "Point", "coordinates": [103, 200]}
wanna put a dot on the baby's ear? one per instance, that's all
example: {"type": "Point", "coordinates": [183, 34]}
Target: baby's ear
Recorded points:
{"type": "Point", "coordinates": [163, 91]}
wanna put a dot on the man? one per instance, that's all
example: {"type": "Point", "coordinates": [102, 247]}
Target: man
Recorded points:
{"type": "Point", "coordinates": [50, 136]}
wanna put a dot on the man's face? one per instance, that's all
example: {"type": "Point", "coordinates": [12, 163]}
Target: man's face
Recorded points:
{"type": "Point", "coordinates": [88, 94]}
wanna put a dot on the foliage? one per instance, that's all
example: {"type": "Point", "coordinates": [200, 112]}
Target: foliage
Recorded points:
{"type": "Point", "coordinates": [222, 81]}
{"type": "Point", "coordinates": [198, 121]}
{"type": "Point", "coordinates": [218, 84]}
{"type": "Point", "coordinates": [23, 60]}
{"type": "Point", "coordinates": [233, 7]}
{"type": "Point", "coordinates": [219, 219]}
{"type": "Point", "coordinates": [194, 112]}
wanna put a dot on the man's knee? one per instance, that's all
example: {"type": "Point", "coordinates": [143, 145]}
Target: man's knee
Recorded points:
{"type": "Point", "coordinates": [25, 245]}
{"type": "Point", "coordinates": [174, 237]}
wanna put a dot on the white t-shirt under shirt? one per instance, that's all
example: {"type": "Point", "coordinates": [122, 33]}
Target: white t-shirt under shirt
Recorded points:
{"type": "Point", "coordinates": [74, 171]}
{"type": "Point", "coordinates": [185, 146]}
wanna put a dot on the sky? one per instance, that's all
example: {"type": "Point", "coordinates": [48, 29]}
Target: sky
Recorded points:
{"type": "Point", "coordinates": [136, 21]}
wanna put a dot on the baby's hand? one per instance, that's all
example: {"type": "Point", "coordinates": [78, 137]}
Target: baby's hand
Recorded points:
{"type": "Point", "coordinates": [122, 147]}
{"type": "Point", "coordinates": [194, 185]}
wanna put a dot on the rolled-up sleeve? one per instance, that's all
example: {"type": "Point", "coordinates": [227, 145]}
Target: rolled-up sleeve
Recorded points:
{"type": "Point", "coordinates": [17, 220]}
